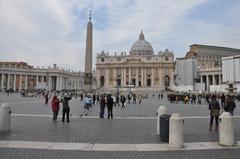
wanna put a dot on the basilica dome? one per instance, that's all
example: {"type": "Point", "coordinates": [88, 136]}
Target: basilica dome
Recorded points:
{"type": "Point", "coordinates": [141, 47]}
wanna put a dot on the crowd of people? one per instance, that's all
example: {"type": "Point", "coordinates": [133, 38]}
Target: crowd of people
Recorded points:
{"type": "Point", "coordinates": [198, 98]}
{"type": "Point", "coordinates": [215, 101]}
{"type": "Point", "coordinates": [104, 100]}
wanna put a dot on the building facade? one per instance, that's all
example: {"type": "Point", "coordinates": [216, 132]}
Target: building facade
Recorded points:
{"type": "Point", "coordinates": [185, 74]}
{"type": "Point", "coordinates": [141, 68]}
{"type": "Point", "coordinates": [231, 70]}
{"type": "Point", "coordinates": [20, 75]}
{"type": "Point", "coordinates": [209, 66]}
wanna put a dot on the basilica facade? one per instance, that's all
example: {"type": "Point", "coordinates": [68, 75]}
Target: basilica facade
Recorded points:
{"type": "Point", "coordinates": [141, 68]}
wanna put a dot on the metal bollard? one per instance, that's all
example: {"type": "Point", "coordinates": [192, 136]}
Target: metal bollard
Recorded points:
{"type": "Point", "coordinates": [5, 117]}
{"type": "Point", "coordinates": [176, 131]}
{"type": "Point", "coordinates": [226, 129]}
{"type": "Point", "coordinates": [161, 110]}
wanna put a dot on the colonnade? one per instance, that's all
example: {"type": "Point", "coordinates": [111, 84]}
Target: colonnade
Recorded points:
{"type": "Point", "coordinates": [18, 81]}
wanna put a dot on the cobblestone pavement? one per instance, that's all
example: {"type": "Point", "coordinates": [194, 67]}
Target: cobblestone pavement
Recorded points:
{"type": "Point", "coordinates": [54, 154]}
{"type": "Point", "coordinates": [112, 131]}
{"type": "Point", "coordinates": [135, 131]}
{"type": "Point", "coordinates": [26, 105]}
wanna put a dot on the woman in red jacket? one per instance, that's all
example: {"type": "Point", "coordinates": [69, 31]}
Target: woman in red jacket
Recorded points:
{"type": "Point", "coordinates": [55, 107]}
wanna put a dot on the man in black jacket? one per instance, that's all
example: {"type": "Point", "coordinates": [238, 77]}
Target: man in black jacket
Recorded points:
{"type": "Point", "coordinates": [230, 105]}
{"type": "Point", "coordinates": [214, 108]}
{"type": "Point", "coordinates": [66, 108]}
{"type": "Point", "coordinates": [110, 106]}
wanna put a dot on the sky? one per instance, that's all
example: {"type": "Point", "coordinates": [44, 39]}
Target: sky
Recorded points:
{"type": "Point", "coordinates": [44, 32]}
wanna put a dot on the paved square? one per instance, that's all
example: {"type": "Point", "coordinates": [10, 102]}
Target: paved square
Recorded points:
{"type": "Point", "coordinates": [131, 134]}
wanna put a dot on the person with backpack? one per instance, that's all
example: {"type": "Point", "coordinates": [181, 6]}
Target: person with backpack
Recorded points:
{"type": "Point", "coordinates": [87, 104]}
{"type": "Point", "coordinates": [214, 108]}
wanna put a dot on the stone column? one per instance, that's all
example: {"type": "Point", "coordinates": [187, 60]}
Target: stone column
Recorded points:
{"type": "Point", "coordinates": [136, 77]}
{"type": "Point", "coordinates": [64, 83]}
{"type": "Point", "coordinates": [142, 77]}
{"type": "Point", "coordinates": [114, 77]}
{"type": "Point", "coordinates": [201, 79]}
{"type": "Point", "coordinates": [226, 129]}
{"type": "Point", "coordinates": [220, 82]}
{"type": "Point", "coordinates": [26, 82]}
{"type": "Point", "coordinates": [213, 79]}
{"type": "Point", "coordinates": [207, 82]}
{"type": "Point", "coordinates": [37, 76]}
{"type": "Point", "coordinates": [2, 81]}
{"type": "Point", "coordinates": [57, 82]}
{"type": "Point", "coordinates": [176, 131]}
{"type": "Point", "coordinates": [5, 117]}
{"type": "Point", "coordinates": [145, 76]}
{"type": "Point", "coordinates": [152, 83]}
{"type": "Point", "coordinates": [14, 82]}
{"type": "Point", "coordinates": [50, 83]}
{"type": "Point", "coordinates": [8, 81]}
{"type": "Point", "coordinates": [122, 74]}
{"type": "Point", "coordinates": [124, 77]}
{"type": "Point", "coordinates": [107, 78]}
{"type": "Point", "coordinates": [129, 76]}
{"type": "Point", "coordinates": [20, 82]}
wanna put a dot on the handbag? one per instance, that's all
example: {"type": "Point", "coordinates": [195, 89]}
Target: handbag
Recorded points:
{"type": "Point", "coordinates": [215, 112]}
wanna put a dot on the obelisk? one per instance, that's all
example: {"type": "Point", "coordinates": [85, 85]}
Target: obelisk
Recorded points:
{"type": "Point", "coordinates": [88, 57]}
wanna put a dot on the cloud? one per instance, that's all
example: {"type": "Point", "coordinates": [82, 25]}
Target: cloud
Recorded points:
{"type": "Point", "coordinates": [54, 31]}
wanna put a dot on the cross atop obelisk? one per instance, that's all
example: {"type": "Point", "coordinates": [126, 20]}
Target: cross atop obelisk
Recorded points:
{"type": "Point", "coordinates": [88, 56]}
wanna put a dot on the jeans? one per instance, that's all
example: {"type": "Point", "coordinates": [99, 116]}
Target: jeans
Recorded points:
{"type": "Point", "coordinates": [212, 118]}
{"type": "Point", "coordinates": [65, 111]}
{"type": "Point", "coordinates": [110, 111]}
{"type": "Point", "coordinates": [55, 114]}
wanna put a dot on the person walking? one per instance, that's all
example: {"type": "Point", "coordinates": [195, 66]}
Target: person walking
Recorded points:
{"type": "Point", "coordinates": [55, 107]}
{"type": "Point", "coordinates": [139, 99]}
{"type": "Point", "coordinates": [134, 99]}
{"type": "Point", "coordinates": [230, 105]}
{"type": "Point", "coordinates": [117, 99]}
{"type": "Point", "coordinates": [222, 100]}
{"type": "Point", "coordinates": [66, 108]}
{"type": "Point", "coordinates": [129, 98]}
{"type": "Point", "coordinates": [87, 104]}
{"type": "Point", "coordinates": [46, 98]}
{"type": "Point", "coordinates": [123, 100]}
{"type": "Point", "coordinates": [102, 106]}
{"type": "Point", "coordinates": [110, 106]}
{"type": "Point", "coordinates": [214, 108]}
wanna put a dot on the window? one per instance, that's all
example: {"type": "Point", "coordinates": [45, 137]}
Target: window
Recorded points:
{"type": "Point", "coordinates": [44, 78]}
{"type": "Point", "coordinates": [166, 58]}
{"type": "Point", "coordinates": [102, 59]}
{"type": "Point", "coordinates": [39, 78]}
